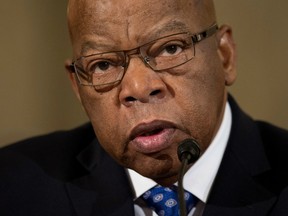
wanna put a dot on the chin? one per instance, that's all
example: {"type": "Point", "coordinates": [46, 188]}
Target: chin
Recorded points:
{"type": "Point", "coordinates": [157, 169]}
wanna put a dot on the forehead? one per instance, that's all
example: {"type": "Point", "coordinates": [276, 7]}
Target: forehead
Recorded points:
{"type": "Point", "coordinates": [130, 21]}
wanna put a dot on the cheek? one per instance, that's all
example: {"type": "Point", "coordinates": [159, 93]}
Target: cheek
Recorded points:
{"type": "Point", "coordinates": [104, 116]}
{"type": "Point", "coordinates": [201, 97]}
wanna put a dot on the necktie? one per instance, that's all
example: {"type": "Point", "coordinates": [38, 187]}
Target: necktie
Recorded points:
{"type": "Point", "coordinates": [164, 200]}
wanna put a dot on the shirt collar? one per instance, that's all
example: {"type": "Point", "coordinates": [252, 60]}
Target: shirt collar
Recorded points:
{"type": "Point", "coordinates": [199, 178]}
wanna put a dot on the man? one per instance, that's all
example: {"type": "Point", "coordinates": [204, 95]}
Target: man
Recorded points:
{"type": "Point", "coordinates": [149, 75]}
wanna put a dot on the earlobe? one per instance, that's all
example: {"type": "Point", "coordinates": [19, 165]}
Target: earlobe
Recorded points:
{"type": "Point", "coordinates": [227, 53]}
{"type": "Point", "coordinates": [73, 79]}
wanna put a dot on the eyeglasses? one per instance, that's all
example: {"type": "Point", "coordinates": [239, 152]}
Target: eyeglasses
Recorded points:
{"type": "Point", "coordinates": [106, 69]}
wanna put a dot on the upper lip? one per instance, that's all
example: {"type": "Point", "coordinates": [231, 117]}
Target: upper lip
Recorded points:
{"type": "Point", "coordinates": [143, 128]}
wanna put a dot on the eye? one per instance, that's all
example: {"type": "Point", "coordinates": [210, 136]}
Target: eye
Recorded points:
{"type": "Point", "coordinates": [100, 66]}
{"type": "Point", "coordinates": [171, 50]}
{"type": "Point", "coordinates": [167, 49]}
{"type": "Point", "coordinates": [103, 66]}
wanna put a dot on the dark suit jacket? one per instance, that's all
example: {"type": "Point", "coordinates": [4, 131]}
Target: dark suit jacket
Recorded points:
{"type": "Point", "coordinates": [68, 173]}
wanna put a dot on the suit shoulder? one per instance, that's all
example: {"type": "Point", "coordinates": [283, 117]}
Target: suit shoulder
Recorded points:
{"type": "Point", "coordinates": [83, 134]}
{"type": "Point", "coordinates": [275, 141]}
{"type": "Point", "coordinates": [54, 153]}
{"type": "Point", "coordinates": [273, 134]}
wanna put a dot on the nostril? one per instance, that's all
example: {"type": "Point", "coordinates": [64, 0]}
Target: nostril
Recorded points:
{"type": "Point", "coordinates": [143, 98]}
{"type": "Point", "coordinates": [155, 92]}
{"type": "Point", "coordinates": [130, 99]}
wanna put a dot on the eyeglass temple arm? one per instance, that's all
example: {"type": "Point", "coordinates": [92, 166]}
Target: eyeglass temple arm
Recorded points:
{"type": "Point", "coordinates": [73, 70]}
{"type": "Point", "coordinates": [205, 34]}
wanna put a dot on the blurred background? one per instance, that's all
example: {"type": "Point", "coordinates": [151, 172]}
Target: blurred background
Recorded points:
{"type": "Point", "coordinates": [36, 96]}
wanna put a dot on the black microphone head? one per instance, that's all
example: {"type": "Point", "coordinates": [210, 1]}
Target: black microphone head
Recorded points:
{"type": "Point", "coordinates": [189, 148]}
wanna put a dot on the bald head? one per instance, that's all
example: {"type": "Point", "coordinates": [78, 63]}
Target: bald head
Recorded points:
{"type": "Point", "coordinates": [102, 13]}
{"type": "Point", "coordinates": [205, 10]}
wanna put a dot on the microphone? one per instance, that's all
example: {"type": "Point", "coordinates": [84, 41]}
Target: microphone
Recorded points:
{"type": "Point", "coordinates": [189, 149]}
{"type": "Point", "coordinates": [188, 152]}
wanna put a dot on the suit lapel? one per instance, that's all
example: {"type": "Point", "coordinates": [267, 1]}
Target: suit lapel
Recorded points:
{"type": "Point", "coordinates": [105, 190]}
{"type": "Point", "coordinates": [235, 192]}
{"type": "Point", "coordinates": [237, 189]}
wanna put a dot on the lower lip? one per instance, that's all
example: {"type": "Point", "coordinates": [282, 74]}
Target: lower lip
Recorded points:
{"type": "Point", "coordinates": [154, 143]}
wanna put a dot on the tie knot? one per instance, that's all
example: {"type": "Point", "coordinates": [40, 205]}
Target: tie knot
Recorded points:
{"type": "Point", "coordinates": [164, 200]}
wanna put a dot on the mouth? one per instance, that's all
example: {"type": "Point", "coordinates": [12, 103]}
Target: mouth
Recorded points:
{"type": "Point", "coordinates": [151, 133]}
{"type": "Point", "coordinates": [152, 137]}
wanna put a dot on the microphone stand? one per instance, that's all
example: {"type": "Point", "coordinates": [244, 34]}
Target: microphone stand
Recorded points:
{"type": "Point", "coordinates": [182, 203]}
{"type": "Point", "coordinates": [188, 152]}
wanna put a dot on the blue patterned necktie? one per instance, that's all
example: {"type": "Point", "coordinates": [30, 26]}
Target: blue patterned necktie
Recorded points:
{"type": "Point", "coordinates": [164, 200]}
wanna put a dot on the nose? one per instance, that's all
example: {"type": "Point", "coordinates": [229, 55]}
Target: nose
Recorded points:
{"type": "Point", "coordinates": [141, 84]}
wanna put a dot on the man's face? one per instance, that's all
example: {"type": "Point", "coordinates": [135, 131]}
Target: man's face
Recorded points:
{"type": "Point", "coordinates": [141, 121]}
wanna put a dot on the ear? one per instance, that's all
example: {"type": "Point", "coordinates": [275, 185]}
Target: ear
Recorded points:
{"type": "Point", "coordinates": [72, 76]}
{"type": "Point", "coordinates": [227, 53]}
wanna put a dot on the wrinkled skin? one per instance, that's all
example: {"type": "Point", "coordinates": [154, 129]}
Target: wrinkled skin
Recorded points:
{"type": "Point", "coordinates": [189, 105]}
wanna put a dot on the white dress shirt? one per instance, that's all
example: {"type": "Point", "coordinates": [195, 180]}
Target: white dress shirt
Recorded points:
{"type": "Point", "coordinates": [198, 179]}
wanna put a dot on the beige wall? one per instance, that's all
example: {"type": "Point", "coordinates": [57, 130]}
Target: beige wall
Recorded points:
{"type": "Point", "coordinates": [262, 41]}
{"type": "Point", "coordinates": [36, 96]}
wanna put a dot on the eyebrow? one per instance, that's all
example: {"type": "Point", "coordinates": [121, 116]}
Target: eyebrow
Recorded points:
{"type": "Point", "coordinates": [175, 26]}
{"type": "Point", "coordinates": [92, 45]}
